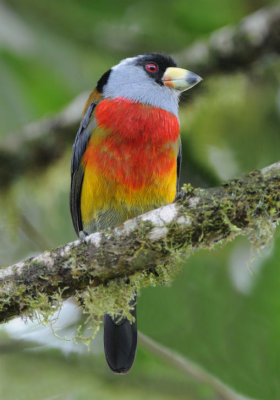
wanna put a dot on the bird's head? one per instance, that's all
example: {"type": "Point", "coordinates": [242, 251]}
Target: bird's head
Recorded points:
{"type": "Point", "coordinates": [152, 79]}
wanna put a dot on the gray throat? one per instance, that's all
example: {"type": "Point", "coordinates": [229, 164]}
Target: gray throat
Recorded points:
{"type": "Point", "coordinates": [133, 83]}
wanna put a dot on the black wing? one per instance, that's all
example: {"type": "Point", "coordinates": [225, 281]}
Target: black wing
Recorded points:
{"type": "Point", "coordinates": [77, 171]}
{"type": "Point", "coordinates": [179, 163]}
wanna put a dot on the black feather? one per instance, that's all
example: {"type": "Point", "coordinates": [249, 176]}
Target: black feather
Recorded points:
{"type": "Point", "coordinates": [179, 164]}
{"type": "Point", "coordinates": [120, 342]}
{"type": "Point", "coordinates": [103, 80]}
{"type": "Point", "coordinates": [163, 62]}
{"type": "Point", "coordinates": [77, 171]}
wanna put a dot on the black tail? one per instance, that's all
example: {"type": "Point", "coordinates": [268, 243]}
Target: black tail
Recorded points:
{"type": "Point", "coordinates": [120, 342]}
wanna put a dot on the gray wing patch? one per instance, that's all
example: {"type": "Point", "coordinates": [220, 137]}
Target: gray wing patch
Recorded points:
{"type": "Point", "coordinates": [77, 171]}
{"type": "Point", "coordinates": [179, 163]}
{"type": "Point", "coordinates": [81, 139]}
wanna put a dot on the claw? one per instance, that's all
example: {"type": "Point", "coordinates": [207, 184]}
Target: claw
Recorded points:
{"type": "Point", "coordinates": [82, 236]}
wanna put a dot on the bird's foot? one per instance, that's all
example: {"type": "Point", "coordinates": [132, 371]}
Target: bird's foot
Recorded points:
{"type": "Point", "coordinates": [83, 235]}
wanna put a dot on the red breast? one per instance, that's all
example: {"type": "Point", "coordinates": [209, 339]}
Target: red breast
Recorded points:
{"type": "Point", "coordinates": [139, 142]}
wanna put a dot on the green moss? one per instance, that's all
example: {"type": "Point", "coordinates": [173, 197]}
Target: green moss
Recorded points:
{"type": "Point", "coordinates": [242, 206]}
{"type": "Point", "coordinates": [188, 188]}
{"type": "Point", "coordinates": [116, 297]}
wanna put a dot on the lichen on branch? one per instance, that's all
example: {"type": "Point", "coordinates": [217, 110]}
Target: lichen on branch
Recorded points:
{"type": "Point", "coordinates": [104, 272]}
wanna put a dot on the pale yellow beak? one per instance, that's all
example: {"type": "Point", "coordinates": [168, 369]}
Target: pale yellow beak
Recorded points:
{"type": "Point", "coordinates": [180, 79]}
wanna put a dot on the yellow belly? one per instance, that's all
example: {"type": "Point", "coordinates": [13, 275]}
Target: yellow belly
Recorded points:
{"type": "Point", "coordinates": [100, 195]}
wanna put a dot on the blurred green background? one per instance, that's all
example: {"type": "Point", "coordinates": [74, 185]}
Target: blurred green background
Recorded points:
{"type": "Point", "coordinates": [227, 301]}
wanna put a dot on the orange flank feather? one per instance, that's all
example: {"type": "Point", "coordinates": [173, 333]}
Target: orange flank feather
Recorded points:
{"type": "Point", "coordinates": [130, 161]}
{"type": "Point", "coordinates": [94, 97]}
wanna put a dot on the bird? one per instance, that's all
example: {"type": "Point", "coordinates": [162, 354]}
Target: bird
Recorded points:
{"type": "Point", "coordinates": [126, 160]}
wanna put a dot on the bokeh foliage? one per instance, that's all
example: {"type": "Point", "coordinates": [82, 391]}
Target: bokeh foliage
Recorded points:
{"type": "Point", "coordinates": [223, 309]}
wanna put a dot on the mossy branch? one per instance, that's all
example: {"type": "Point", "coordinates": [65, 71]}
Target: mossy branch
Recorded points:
{"type": "Point", "coordinates": [143, 250]}
{"type": "Point", "coordinates": [39, 143]}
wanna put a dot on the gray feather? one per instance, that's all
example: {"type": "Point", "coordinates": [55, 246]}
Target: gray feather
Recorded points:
{"type": "Point", "coordinates": [77, 172]}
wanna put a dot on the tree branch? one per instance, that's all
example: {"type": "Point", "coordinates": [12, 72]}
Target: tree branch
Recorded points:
{"type": "Point", "coordinates": [40, 143]}
{"type": "Point", "coordinates": [190, 368]}
{"type": "Point", "coordinates": [200, 218]}
{"type": "Point", "coordinates": [231, 48]}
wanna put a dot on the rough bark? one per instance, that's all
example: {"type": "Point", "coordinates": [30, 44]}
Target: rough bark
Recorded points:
{"type": "Point", "coordinates": [199, 218]}
{"type": "Point", "coordinates": [40, 143]}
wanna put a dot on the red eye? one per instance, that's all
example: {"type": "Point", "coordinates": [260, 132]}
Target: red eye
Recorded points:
{"type": "Point", "coordinates": [151, 67]}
